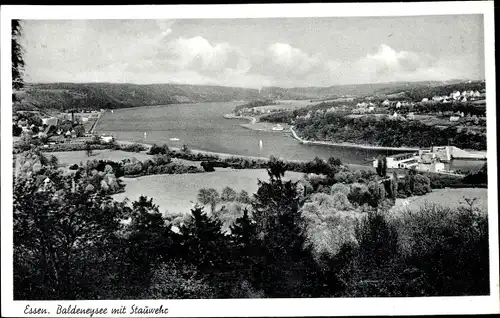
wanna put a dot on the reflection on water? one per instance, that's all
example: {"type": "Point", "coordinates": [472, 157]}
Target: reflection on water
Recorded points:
{"type": "Point", "coordinates": [202, 126]}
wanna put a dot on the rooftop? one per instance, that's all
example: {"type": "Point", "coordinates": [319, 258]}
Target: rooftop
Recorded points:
{"type": "Point", "coordinates": [411, 161]}
{"type": "Point", "coordinates": [402, 155]}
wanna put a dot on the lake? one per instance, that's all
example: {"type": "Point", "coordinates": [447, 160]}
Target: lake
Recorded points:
{"type": "Point", "coordinates": [202, 126]}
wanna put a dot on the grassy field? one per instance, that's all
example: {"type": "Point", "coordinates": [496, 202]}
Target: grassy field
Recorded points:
{"type": "Point", "coordinates": [177, 193]}
{"type": "Point", "coordinates": [67, 158]}
{"type": "Point", "coordinates": [452, 198]}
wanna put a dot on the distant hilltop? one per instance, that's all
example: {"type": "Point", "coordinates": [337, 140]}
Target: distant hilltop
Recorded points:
{"type": "Point", "coordinates": [94, 96]}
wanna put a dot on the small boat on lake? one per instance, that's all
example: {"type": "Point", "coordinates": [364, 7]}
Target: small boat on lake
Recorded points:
{"type": "Point", "coordinates": [174, 139]}
{"type": "Point", "coordinates": [260, 144]}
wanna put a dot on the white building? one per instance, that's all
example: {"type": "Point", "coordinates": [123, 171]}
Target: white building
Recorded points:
{"type": "Point", "coordinates": [386, 102]}
{"type": "Point", "coordinates": [408, 164]}
{"type": "Point", "coordinates": [426, 156]}
{"type": "Point", "coordinates": [50, 121]}
{"type": "Point", "coordinates": [442, 153]}
{"type": "Point", "coordinates": [454, 118]}
{"type": "Point", "coordinates": [404, 160]}
{"type": "Point", "coordinates": [431, 167]}
{"type": "Point", "coordinates": [278, 127]}
{"type": "Point", "coordinates": [425, 100]}
{"type": "Point", "coordinates": [456, 95]}
{"type": "Point", "coordinates": [107, 138]}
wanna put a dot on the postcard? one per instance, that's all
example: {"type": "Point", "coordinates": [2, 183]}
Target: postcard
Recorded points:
{"type": "Point", "coordinates": [249, 160]}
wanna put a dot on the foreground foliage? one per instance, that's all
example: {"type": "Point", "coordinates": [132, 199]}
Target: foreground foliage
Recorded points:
{"type": "Point", "coordinates": [291, 239]}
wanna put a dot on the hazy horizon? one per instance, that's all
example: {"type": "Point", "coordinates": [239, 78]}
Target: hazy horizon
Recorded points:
{"type": "Point", "coordinates": [258, 52]}
{"type": "Point", "coordinates": [243, 87]}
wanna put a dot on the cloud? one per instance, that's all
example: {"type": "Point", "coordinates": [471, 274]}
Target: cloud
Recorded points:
{"type": "Point", "coordinates": [284, 60]}
{"type": "Point", "coordinates": [387, 62]}
{"type": "Point", "coordinates": [390, 65]}
{"type": "Point", "coordinates": [199, 55]}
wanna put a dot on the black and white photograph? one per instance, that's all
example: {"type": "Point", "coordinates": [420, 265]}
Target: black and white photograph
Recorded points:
{"type": "Point", "coordinates": [198, 153]}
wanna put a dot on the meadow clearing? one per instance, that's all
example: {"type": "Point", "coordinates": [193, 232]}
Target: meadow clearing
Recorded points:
{"type": "Point", "coordinates": [177, 193]}
{"type": "Point", "coordinates": [68, 158]}
{"type": "Point", "coordinates": [451, 198]}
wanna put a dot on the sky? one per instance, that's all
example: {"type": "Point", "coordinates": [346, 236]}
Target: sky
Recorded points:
{"type": "Point", "coordinates": [285, 52]}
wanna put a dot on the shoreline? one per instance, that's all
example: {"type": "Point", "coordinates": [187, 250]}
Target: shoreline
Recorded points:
{"type": "Point", "coordinates": [206, 152]}
{"type": "Point", "coordinates": [254, 122]}
{"type": "Point", "coordinates": [352, 166]}
{"type": "Point", "coordinates": [349, 145]}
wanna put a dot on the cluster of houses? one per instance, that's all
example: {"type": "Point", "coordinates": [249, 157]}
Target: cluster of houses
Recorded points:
{"type": "Point", "coordinates": [319, 112]}
{"type": "Point", "coordinates": [455, 117]}
{"type": "Point", "coordinates": [47, 122]}
{"type": "Point", "coordinates": [408, 116]}
{"type": "Point", "coordinates": [61, 134]}
{"type": "Point", "coordinates": [364, 107]}
{"type": "Point", "coordinates": [458, 96]}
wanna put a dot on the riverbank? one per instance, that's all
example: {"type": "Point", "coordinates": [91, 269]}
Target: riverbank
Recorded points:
{"type": "Point", "coordinates": [205, 152]}
{"type": "Point", "coordinates": [350, 166]}
{"type": "Point", "coordinates": [349, 145]}
{"type": "Point", "coordinates": [252, 120]}
{"type": "Point", "coordinates": [255, 124]}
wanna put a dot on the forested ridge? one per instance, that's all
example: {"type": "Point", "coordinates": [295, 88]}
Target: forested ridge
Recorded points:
{"type": "Point", "coordinates": [385, 132]}
{"type": "Point", "coordinates": [94, 96]}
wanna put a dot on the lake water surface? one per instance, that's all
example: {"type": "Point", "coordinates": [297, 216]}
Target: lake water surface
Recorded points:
{"type": "Point", "coordinates": [202, 126]}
